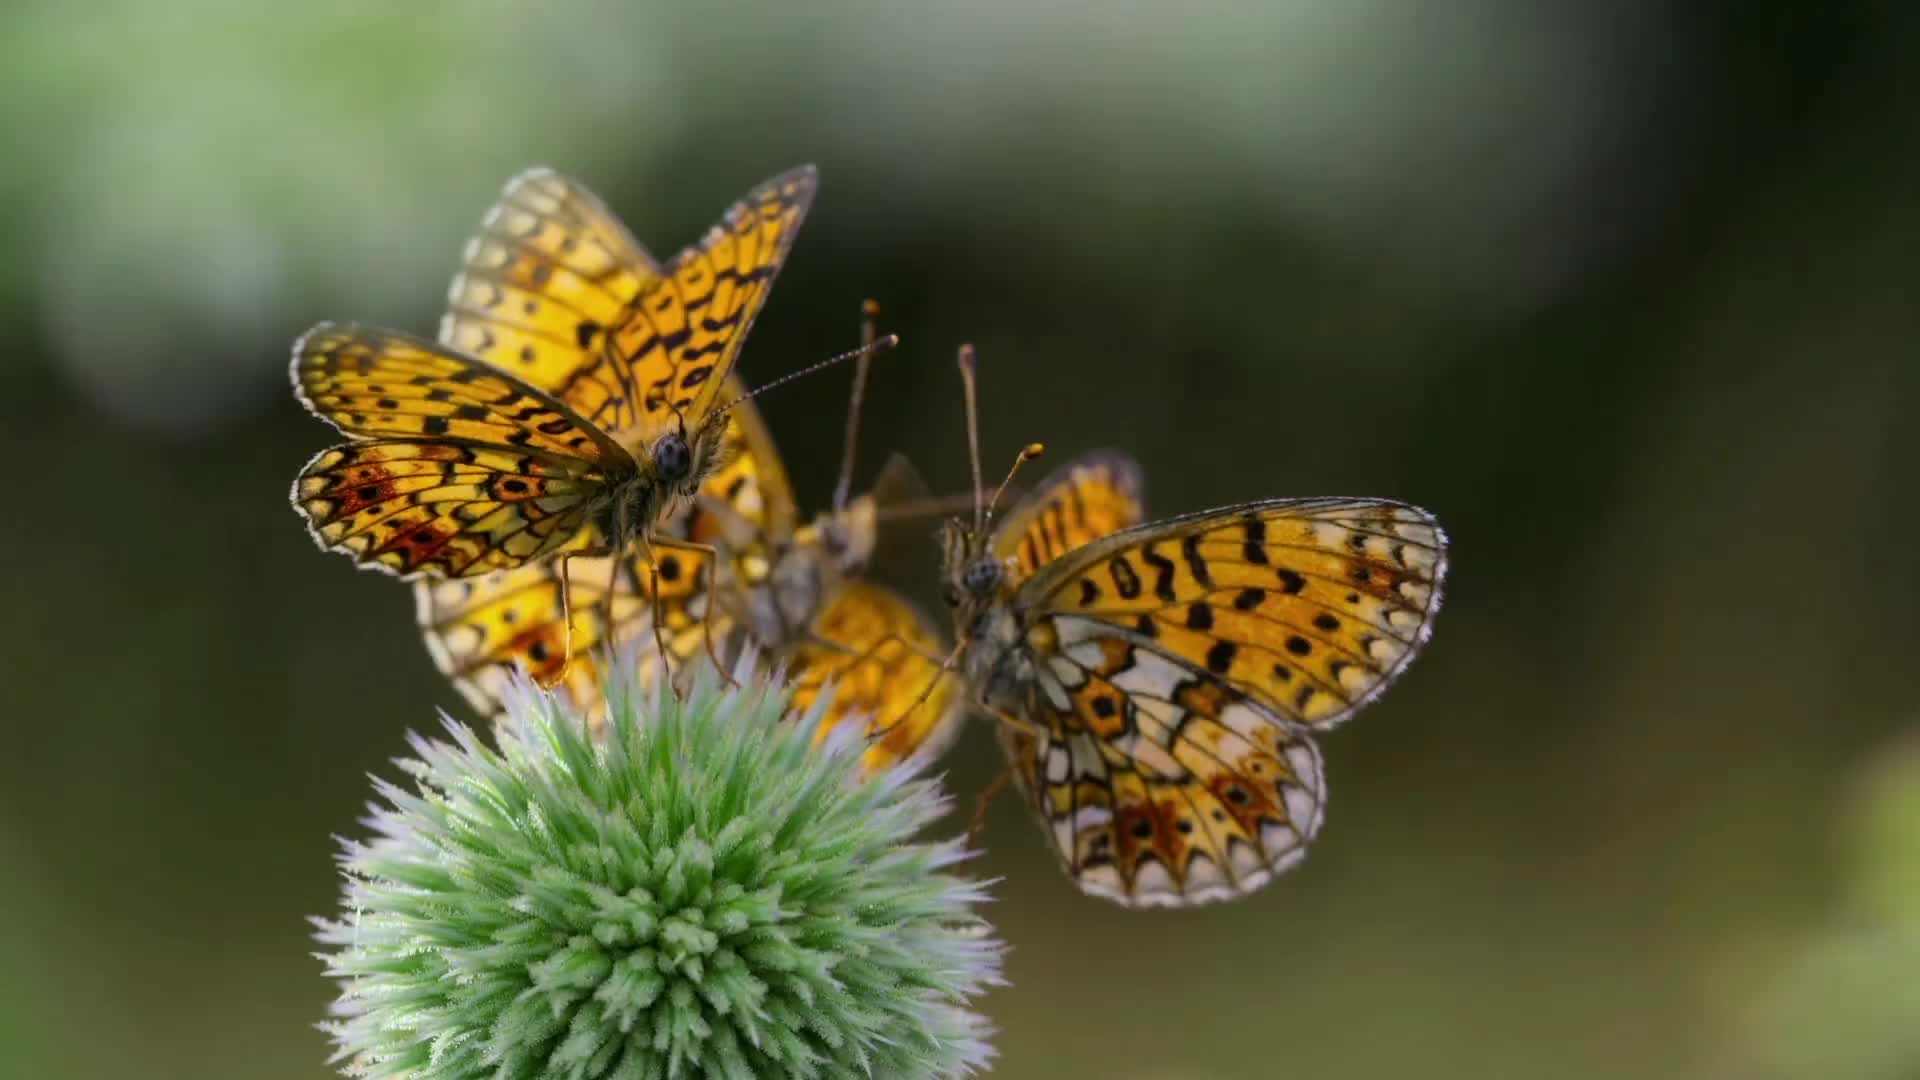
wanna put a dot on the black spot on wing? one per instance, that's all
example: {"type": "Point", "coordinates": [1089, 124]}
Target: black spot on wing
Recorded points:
{"type": "Point", "coordinates": [1254, 550]}
{"type": "Point", "coordinates": [1089, 592]}
{"type": "Point", "coordinates": [1163, 573]}
{"type": "Point", "coordinates": [1220, 657]}
{"type": "Point", "coordinates": [1196, 563]}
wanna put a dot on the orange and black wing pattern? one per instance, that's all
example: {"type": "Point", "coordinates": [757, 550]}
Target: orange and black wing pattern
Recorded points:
{"type": "Point", "coordinates": [481, 631]}
{"type": "Point", "coordinates": [542, 284]}
{"type": "Point", "coordinates": [681, 337]}
{"type": "Point", "coordinates": [1181, 669]}
{"type": "Point", "coordinates": [456, 469]}
{"type": "Point", "coordinates": [1091, 497]}
{"type": "Point", "coordinates": [877, 651]}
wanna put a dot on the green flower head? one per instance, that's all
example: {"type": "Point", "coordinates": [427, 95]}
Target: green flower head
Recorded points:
{"type": "Point", "coordinates": [706, 893]}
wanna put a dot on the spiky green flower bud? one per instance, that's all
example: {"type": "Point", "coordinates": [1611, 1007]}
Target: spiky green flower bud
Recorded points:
{"type": "Point", "coordinates": [706, 893]}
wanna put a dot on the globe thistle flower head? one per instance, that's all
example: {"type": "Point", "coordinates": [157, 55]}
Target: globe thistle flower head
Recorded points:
{"type": "Point", "coordinates": [705, 893]}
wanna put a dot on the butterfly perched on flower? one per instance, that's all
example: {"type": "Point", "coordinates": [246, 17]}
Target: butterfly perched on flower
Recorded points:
{"type": "Point", "coordinates": [1159, 685]}
{"type": "Point", "coordinates": [575, 399]}
{"type": "Point", "coordinates": [793, 592]}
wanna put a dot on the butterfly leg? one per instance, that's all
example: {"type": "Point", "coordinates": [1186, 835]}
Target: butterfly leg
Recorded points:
{"type": "Point", "coordinates": [566, 623]}
{"type": "Point", "coordinates": [946, 664]}
{"type": "Point", "coordinates": [710, 557]}
{"type": "Point", "coordinates": [659, 616]}
{"type": "Point", "coordinates": [980, 811]}
{"type": "Point", "coordinates": [610, 635]}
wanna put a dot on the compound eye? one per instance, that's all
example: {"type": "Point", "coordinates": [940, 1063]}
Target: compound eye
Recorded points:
{"type": "Point", "coordinates": [981, 575]}
{"type": "Point", "coordinates": [671, 458]}
{"type": "Point", "coordinates": [835, 538]}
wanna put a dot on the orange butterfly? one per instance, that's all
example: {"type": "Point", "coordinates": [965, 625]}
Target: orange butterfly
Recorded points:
{"type": "Point", "coordinates": [1159, 685]}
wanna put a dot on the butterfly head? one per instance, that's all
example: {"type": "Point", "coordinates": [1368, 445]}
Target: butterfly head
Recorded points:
{"type": "Point", "coordinates": [683, 459]}
{"type": "Point", "coordinates": [846, 536]}
{"type": "Point", "coordinates": [672, 458]}
{"type": "Point", "coordinates": [971, 574]}
{"type": "Point", "coordinates": [974, 574]}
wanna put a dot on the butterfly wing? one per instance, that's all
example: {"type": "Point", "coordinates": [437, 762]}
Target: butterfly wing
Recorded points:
{"type": "Point", "coordinates": [480, 632]}
{"type": "Point", "coordinates": [684, 331]}
{"type": "Point", "coordinates": [873, 645]}
{"type": "Point", "coordinates": [383, 384]}
{"type": "Point", "coordinates": [457, 468]}
{"type": "Point", "coordinates": [1310, 607]}
{"type": "Point", "coordinates": [1185, 664]}
{"type": "Point", "coordinates": [444, 510]}
{"type": "Point", "coordinates": [549, 273]}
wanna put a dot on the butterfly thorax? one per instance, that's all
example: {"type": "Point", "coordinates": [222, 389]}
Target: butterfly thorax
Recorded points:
{"type": "Point", "coordinates": [629, 508]}
{"type": "Point", "coordinates": [1001, 657]}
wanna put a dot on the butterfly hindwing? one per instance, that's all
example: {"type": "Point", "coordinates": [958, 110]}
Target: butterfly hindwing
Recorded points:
{"type": "Point", "coordinates": [442, 509]}
{"type": "Point", "coordinates": [1158, 786]}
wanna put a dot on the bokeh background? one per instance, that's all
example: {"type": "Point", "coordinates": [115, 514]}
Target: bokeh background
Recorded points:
{"type": "Point", "coordinates": [1624, 292]}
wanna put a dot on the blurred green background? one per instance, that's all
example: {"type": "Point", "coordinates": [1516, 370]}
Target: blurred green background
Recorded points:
{"type": "Point", "coordinates": [1625, 293]}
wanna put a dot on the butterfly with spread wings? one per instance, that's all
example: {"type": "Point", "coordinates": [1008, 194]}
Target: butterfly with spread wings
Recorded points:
{"type": "Point", "coordinates": [574, 402]}
{"type": "Point", "coordinates": [1159, 685]}
{"type": "Point", "coordinates": [794, 592]}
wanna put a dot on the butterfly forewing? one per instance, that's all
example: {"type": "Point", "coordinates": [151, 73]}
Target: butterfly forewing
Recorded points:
{"type": "Point", "coordinates": [549, 274]}
{"type": "Point", "coordinates": [751, 485]}
{"type": "Point", "coordinates": [382, 384]}
{"type": "Point", "coordinates": [684, 331]}
{"type": "Point", "coordinates": [1093, 496]}
{"type": "Point", "coordinates": [1309, 606]}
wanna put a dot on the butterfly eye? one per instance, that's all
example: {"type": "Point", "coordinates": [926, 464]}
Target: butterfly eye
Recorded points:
{"type": "Point", "coordinates": [671, 458]}
{"type": "Point", "coordinates": [981, 575]}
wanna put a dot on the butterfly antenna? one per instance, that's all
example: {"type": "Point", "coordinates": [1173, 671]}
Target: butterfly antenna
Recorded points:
{"type": "Point", "coordinates": [869, 335]}
{"type": "Point", "coordinates": [877, 346]}
{"type": "Point", "coordinates": [1027, 453]}
{"type": "Point", "coordinates": [970, 381]}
